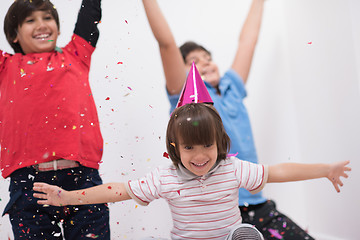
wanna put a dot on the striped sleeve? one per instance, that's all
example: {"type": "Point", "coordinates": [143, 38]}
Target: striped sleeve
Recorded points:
{"type": "Point", "coordinates": [252, 177]}
{"type": "Point", "coordinates": [146, 189]}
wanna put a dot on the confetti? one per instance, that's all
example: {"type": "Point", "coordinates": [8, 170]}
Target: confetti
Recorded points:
{"type": "Point", "coordinates": [120, 63]}
{"type": "Point", "coordinates": [232, 154]}
{"type": "Point", "coordinates": [108, 98]}
{"type": "Point", "coordinates": [275, 233]}
{"type": "Point", "coordinates": [126, 22]}
{"type": "Point", "coordinates": [309, 43]}
{"type": "Point", "coordinates": [165, 154]}
{"type": "Point", "coordinates": [91, 235]}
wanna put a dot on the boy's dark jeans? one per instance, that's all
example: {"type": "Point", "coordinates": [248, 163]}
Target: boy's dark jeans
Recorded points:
{"type": "Point", "coordinates": [33, 221]}
{"type": "Point", "coordinates": [271, 223]}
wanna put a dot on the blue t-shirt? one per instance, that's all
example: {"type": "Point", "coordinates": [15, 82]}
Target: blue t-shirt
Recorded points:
{"type": "Point", "coordinates": [236, 121]}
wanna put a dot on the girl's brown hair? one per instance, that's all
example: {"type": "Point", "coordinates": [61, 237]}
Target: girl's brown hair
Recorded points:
{"type": "Point", "coordinates": [196, 124]}
{"type": "Point", "coordinates": [20, 10]}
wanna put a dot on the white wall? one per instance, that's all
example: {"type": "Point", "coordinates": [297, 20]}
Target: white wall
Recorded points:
{"type": "Point", "coordinates": [303, 100]}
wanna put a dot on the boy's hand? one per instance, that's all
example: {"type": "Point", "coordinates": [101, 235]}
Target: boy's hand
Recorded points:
{"type": "Point", "coordinates": [338, 170]}
{"type": "Point", "coordinates": [51, 195]}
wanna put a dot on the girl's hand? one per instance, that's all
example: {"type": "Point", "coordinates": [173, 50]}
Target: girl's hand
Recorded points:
{"type": "Point", "coordinates": [51, 195]}
{"type": "Point", "coordinates": [338, 170]}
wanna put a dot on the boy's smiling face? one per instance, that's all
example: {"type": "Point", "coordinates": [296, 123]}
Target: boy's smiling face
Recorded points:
{"type": "Point", "coordinates": [207, 68]}
{"type": "Point", "coordinates": [198, 159]}
{"type": "Point", "coordinates": [38, 33]}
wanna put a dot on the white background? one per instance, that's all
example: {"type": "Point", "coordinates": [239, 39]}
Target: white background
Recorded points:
{"type": "Point", "coordinates": [303, 99]}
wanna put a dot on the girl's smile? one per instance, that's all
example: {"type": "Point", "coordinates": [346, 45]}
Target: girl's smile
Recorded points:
{"type": "Point", "coordinates": [198, 159]}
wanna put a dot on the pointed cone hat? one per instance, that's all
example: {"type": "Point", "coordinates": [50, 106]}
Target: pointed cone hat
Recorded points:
{"type": "Point", "coordinates": [194, 90]}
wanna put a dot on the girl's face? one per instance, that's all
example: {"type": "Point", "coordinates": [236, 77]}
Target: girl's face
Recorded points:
{"type": "Point", "coordinates": [198, 159]}
{"type": "Point", "coordinates": [38, 33]}
{"type": "Point", "coordinates": [207, 68]}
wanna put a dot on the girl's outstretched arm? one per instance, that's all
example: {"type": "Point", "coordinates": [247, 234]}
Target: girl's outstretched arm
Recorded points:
{"type": "Point", "coordinates": [287, 172]}
{"type": "Point", "coordinates": [248, 39]}
{"type": "Point", "coordinates": [172, 61]}
{"type": "Point", "coordinates": [56, 196]}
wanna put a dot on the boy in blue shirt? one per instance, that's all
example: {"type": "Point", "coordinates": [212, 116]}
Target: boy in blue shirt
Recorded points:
{"type": "Point", "coordinates": [227, 93]}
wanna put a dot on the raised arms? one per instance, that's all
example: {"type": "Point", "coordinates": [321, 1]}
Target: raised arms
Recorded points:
{"type": "Point", "coordinates": [248, 39]}
{"type": "Point", "coordinates": [173, 64]}
{"type": "Point", "coordinates": [88, 18]}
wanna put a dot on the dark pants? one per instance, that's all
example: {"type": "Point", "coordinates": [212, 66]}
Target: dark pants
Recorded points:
{"type": "Point", "coordinates": [272, 223]}
{"type": "Point", "coordinates": [33, 221]}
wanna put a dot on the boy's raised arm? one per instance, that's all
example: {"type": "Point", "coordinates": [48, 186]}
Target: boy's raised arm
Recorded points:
{"type": "Point", "coordinates": [56, 196]}
{"type": "Point", "coordinates": [88, 18]}
{"type": "Point", "coordinates": [287, 172]}
{"type": "Point", "coordinates": [248, 39]}
{"type": "Point", "coordinates": [173, 64]}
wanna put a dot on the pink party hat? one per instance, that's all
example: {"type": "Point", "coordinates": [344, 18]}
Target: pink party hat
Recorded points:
{"type": "Point", "coordinates": [194, 90]}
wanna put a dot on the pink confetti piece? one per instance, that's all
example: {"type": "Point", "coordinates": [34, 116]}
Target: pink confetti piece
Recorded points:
{"type": "Point", "coordinates": [129, 88]}
{"type": "Point", "coordinates": [309, 43]}
{"type": "Point", "coordinates": [232, 154]}
{"type": "Point", "coordinates": [275, 233]}
{"type": "Point", "coordinates": [126, 22]}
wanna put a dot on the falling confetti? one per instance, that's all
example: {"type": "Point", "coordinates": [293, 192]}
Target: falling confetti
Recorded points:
{"type": "Point", "coordinates": [309, 43]}
{"type": "Point", "coordinates": [91, 235]}
{"type": "Point", "coordinates": [233, 154]}
{"type": "Point", "coordinates": [108, 98]}
{"type": "Point", "coordinates": [275, 233]}
{"type": "Point", "coordinates": [166, 155]}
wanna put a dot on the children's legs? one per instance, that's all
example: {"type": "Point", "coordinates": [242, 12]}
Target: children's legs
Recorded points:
{"type": "Point", "coordinates": [271, 223]}
{"type": "Point", "coordinates": [33, 221]}
{"type": "Point", "coordinates": [28, 219]}
{"type": "Point", "coordinates": [87, 222]}
{"type": "Point", "coordinates": [245, 232]}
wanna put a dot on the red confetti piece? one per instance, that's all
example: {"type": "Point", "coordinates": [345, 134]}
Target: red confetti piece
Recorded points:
{"type": "Point", "coordinates": [109, 187]}
{"type": "Point", "coordinates": [166, 155]}
{"type": "Point", "coordinates": [309, 43]}
{"type": "Point", "coordinates": [120, 63]}
{"type": "Point", "coordinates": [178, 191]}
{"type": "Point", "coordinates": [83, 193]}
{"type": "Point", "coordinates": [126, 22]}
{"type": "Point", "coordinates": [108, 98]}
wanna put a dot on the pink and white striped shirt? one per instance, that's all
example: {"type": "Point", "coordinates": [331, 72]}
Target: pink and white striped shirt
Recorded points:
{"type": "Point", "coordinates": [202, 207]}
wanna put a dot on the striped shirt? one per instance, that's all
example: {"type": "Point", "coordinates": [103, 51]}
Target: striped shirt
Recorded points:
{"type": "Point", "coordinates": [202, 207]}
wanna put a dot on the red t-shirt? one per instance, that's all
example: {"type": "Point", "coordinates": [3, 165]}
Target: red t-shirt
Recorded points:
{"type": "Point", "coordinates": [47, 110]}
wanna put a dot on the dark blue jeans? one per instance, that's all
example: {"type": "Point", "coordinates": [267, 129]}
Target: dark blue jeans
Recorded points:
{"type": "Point", "coordinates": [271, 223]}
{"type": "Point", "coordinates": [30, 220]}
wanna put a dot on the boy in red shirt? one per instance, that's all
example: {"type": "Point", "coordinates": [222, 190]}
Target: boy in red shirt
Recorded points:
{"type": "Point", "coordinates": [49, 127]}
